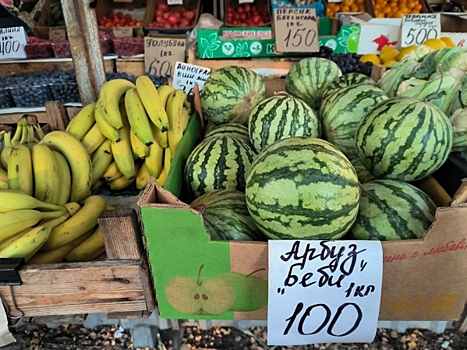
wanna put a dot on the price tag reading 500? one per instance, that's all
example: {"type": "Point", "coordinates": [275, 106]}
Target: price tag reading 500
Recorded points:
{"type": "Point", "coordinates": [416, 29]}
{"type": "Point", "coordinates": [323, 292]}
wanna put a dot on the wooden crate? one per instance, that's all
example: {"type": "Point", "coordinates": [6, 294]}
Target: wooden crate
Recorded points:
{"type": "Point", "coordinates": [134, 66]}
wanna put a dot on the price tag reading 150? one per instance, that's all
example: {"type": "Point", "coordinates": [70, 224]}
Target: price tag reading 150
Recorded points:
{"type": "Point", "coordinates": [323, 291]}
{"type": "Point", "coordinates": [416, 29]}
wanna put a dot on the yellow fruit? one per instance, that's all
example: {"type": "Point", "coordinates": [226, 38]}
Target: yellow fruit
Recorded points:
{"type": "Point", "coordinates": [405, 51]}
{"type": "Point", "coordinates": [389, 63]}
{"type": "Point", "coordinates": [389, 55]}
{"type": "Point", "coordinates": [435, 44]}
{"type": "Point", "coordinates": [371, 57]}
{"type": "Point", "coordinates": [448, 41]}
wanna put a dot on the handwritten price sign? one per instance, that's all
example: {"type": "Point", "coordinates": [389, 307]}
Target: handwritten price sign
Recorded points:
{"type": "Point", "coordinates": [323, 292]}
{"type": "Point", "coordinates": [186, 76]}
{"type": "Point", "coordinates": [160, 54]}
{"type": "Point", "coordinates": [12, 42]}
{"type": "Point", "coordinates": [416, 29]}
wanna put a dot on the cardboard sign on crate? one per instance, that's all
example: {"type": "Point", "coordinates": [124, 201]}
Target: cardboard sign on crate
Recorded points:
{"type": "Point", "coordinates": [296, 30]}
{"type": "Point", "coordinates": [161, 53]}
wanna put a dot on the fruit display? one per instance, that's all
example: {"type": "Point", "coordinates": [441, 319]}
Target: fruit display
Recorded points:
{"type": "Point", "coordinates": [348, 63]}
{"type": "Point", "coordinates": [250, 15]}
{"type": "Point", "coordinates": [396, 8]}
{"type": "Point", "coordinates": [128, 46]}
{"type": "Point", "coordinates": [345, 6]}
{"type": "Point", "coordinates": [167, 17]}
{"type": "Point", "coordinates": [54, 13]}
{"type": "Point", "coordinates": [118, 19]}
{"type": "Point", "coordinates": [39, 48]}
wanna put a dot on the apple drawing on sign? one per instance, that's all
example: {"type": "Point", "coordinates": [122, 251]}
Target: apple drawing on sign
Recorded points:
{"type": "Point", "coordinates": [256, 47]}
{"type": "Point", "coordinates": [229, 291]}
{"type": "Point", "coordinates": [228, 49]}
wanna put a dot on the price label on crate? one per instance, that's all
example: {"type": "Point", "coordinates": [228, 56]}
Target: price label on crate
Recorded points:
{"type": "Point", "coordinates": [160, 54]}
{"type": "Point", "coordinates": [174, 2]}
{"type": "Point", "coordinates": [246, 1]}
{"type": "Point", "coordinates": [296, 30]}
{"type": "Point", "coordinates": [123, 31]}
{"type": "Point", "coordinates": [57, 33]}
{"type": "Point", "coordinates": [187, 75]}
{"type": "Point", "coordinates": [416, 29]}
{"type": "Point", "coordinates": [323, 291]}
{"type": "Point", "coordinates": [12, 42]}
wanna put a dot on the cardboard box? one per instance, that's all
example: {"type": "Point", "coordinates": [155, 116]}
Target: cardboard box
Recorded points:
{"type": "Point", "coordinates": [234, 4]}
{"type": "Point", "coordinates": [454, 26]}
{"type": "Point", "coordinates": [135, 8]}
{"type": "Point", "coordinates": [345, 41]}
{"type": "Point", "coordinates": [41, 30]}
{"type": "Point", "coordinates": [192, 5]}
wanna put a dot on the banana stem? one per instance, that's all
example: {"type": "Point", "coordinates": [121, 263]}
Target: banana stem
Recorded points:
{"type": "Point", "coordinates": [18, 133]}
{"type": "Point", "coordinates": [39, 131]}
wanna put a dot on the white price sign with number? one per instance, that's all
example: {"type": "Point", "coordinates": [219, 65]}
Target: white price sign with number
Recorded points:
{"type": "Point", "coordinates": [416, 29]}
{"type": "Point", "coordinates": [12, 42]}
{"type": "Point", "coordinates": [187, 75]}
{"type": "Point", "coordinates": [174, 2]}
{"type": "Point", "coordinates": [323, 291]}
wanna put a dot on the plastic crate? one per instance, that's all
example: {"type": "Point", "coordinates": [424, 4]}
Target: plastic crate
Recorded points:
{"type": "Point", "coordinates": [6, 101]}
{"type": "Point", "coordinates": [128, 46]}
{"type": "Point", "coordinates": [28, 96]}
{"type": "Point", "coordinates": [62, 49]}
{"type": "Point", "coordinates": [39, 50]}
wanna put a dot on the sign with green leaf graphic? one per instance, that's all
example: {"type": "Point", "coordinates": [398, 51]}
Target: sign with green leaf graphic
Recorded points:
{"type": "Point", "coordinates": [345, 41]}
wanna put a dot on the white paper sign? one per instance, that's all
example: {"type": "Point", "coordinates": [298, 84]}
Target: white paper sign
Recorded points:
{"type": "Point", "coordinates": [246, 1]}
{"type": "Point", "coordinates": [12, 41]}
{"type": "Point", "coordinates": [187, 75]}
{"type": "Point", "coordinates": [323, 291]}
{"type": "Point", "coordinates": [174, 2]}
{"type": "Point", "coordinates": [416, 29]}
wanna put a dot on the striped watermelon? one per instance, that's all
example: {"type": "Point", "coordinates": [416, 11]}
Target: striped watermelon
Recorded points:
{"type": "Point", "coordinates": [302, 188]}
{"type": "Point", "coordinates": [404, 139]}
{"type": "Point", "coordinates": [230, 129]}
{"type": "Point", "coordinates": [347, 80]}
{"type": "Point", "coordinates": [342, 110]}
{"type": "Point", "coordinates": [230, 93]}
{"type": "Point", "coordinates": [308, 78]}
{"type": "Point", "coordinates": [218, 163]}
{"type": "Point", "coordinates": [364, 175]}
{"type": "Point", "coordinates": [279, 117]}
{"type": "Point", "coordinates": [226, 216]}
{"type": "Point", "coordinates": [393, 210]}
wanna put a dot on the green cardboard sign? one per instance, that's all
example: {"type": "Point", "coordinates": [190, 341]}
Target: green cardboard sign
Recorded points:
{"type": "Point", "coordinates": [345, 41]}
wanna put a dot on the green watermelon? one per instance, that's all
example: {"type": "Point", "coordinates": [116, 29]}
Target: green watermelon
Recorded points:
{"type": "Point", "coordinates": [279, 117]}
{"type": "Point", "coordinates": [230, 129]}
{"type": "Point", "coordinates": [226, 216]}
{"type": "Point", "coordinates": [342, 110]}
{"type": "Point", "coordinates": [393, 210]}
{"type": "Point", "coordinates": [404, 139]}
{"type": "Point", "coordinates": [347, 80]}
{"type": "Point", "coordinates": [302, 188]}
{"type": "Point", "coordinates": [218, 163]}
{"type": "Point", "coordinates": [364, 175]}
{"type": "Point", "coordinates": [307, 79]}
{"type": "Point", "coordinates": [230, 93]}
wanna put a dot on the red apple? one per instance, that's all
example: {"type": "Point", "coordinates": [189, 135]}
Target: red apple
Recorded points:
{"type": "Point", "coordinates": [163, 6]}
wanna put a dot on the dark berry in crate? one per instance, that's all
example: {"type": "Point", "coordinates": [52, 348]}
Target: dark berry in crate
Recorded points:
{"type": "Point", "coordinates": [6, 101]}
{"type": "Point", "coordinates": [62, 49]}
{"type": "Point", "coordinates": [28, 94]}
{"type": "Point", "coordinates": [128, 46]}
{"type": "Point", "coordinates": [39, 49]}
{"type": "Point", "coordinates": [65, 93]}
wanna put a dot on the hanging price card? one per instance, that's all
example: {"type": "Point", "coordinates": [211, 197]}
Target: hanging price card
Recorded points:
{"type": "Point", "coordinates": [416, 29]}
{"type": "Point", "coordinates": [123, 31]}
{"type": "Point", "coordinates": [246, 1]}
{"type": "Point", "coordinates": [187, 75]}
{"type": "Point", "coordinates": [161, 53]}
{"type": "Point", "coordinates": [323, 291]}
{"type": "Point", "coordinates": [174, 2]}
{"type": "Point", "coordinates": [12, 42]}
{"type": "Point", "coordinates": [296, 30]}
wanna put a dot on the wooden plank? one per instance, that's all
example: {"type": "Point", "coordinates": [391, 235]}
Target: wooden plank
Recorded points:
{"type": "Point", "coordinates": [58, 118]}
{"type": "Point", "coordinates": [13, 118]}
{"type": "Point", "coordinates": [82, 31]}
{"type": "Point", "coordinates": [133, 66]}
{"type": "Point", "coordinates": [31, 67]}
{"type": "Point", "coordinates": [66, 319]}
{"type": "Point", "coordinates": [121, 233]}
{"type": "Point", "coordinates": [148, 286]}
{"type": "Point", "coordinates": [78, 288]}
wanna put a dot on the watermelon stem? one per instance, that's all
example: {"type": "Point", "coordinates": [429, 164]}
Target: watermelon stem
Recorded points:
{"type": "Point", "coordinates": [285, 93]}
{"type": "Point", "coordinates": [200, 208]}
{"type": "Point", "coordinates": [198, 282]}
{"type": "Point", "coordinates": [439, 86]}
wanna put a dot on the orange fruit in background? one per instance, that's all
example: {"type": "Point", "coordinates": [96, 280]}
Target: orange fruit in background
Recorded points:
{"type": "Point", "coordinates": [398, 14]}
{"type": "Point", "coordinates": [354, 8]}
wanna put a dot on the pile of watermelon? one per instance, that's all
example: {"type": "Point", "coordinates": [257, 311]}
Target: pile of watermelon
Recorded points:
{"type": "Point", "coordinates": [332, 156]}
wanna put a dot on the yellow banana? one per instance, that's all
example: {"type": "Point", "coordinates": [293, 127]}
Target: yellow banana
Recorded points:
{"type": "Point", "coordinates": [88, 250]}
{"type": "Point", "coordinates": [140, 150]}
{"type": "Point", "coordinates": [96, 186]}
{"type": "Point", "coordinates": [6, 150]}
{"type": "Point", "coordinates": [64, 174]}
{"type": "Point", "coordinates": [122, 151]}
{"type": "Point", "coordinates": [56, 256]}
{"type": "Point", "coordinates": [46, 174]}
{"type": "Point", "coordinates": [93, 139]}
{"type": "Point", "coordinates": [112, 172]}
{"type": "Point", "coordinates": [18, 133]}
{"type": "Point", "coordinates": [175, 111]}
{"type": "Point", "coordinates": [19, 220]}
{"type": "Point", "coordinates": [152, 103]}
{"type": "Point", "coordinates": [82, 122]}
{"type": "Point", "coordinates": [164, 92]}
{"type": "Point", "coordinates": [160, 137]}
{"type": "Point", "coordinates": [3, 180]}
{"type": "Point", "coordinates": [77, 225]}
{"type": "Point", "coordinates": [155, 158]}
{"type": "Point", "coordinates": [20, 176]}
{"type": "Point", "coordinates": [101, 160]}
{"type": "Point", "coordinates": [168, 157]}
{"type": "Point", "coordinates": [11, 200]}
{"type": "Point", "coordinates": [31, 241]}
{"type": "Point", "coordinates": [109, 98]}
{"type": "Point", "coordinates": [123, 182]}
{"type": "Point", "coordinates": [142, 178]}
{"type": "Point", "coordinates": [106, 129]}
{"type": "Point", "coordinates": [109, 207]}
{"type": "Point", "coordinates": [138, 118]}
{"type": "Point", "coordinates": [161, 179]}
{"type": "Point", "coordinates": [78, 159]}
{"type": "Point", "coordinates": [185, 118]}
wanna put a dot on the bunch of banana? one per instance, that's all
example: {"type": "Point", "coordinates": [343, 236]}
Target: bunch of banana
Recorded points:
{"type": "Point", "coordinates": [42, 232]}
{"type": "Point", "coordinates": [132, 132]}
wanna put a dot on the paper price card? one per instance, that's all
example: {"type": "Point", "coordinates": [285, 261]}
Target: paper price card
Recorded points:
{"type": "Point", "coordinates": [246, 1]}
{"type": "Point", "coordinates": [57, 33]}
{"type": "Point", "coordinates": [174, 2]}
{"type": "Point", "coordinates": [416, 29]}
{"type": "Point", "coordinates": [187, 75]}
{"type": "Point", "coordinates": [323, 291]}
{"type": "Point", "coordinates": [123, 31]}
{"type": "Point", "coordinates": [296, 30]}
{"type": "Point", "coordinates": [161, 53]}
{"type": "Point", "coordinates": [12, 42]}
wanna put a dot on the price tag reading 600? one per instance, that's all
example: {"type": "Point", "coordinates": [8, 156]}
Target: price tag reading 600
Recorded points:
{"type": "Point", "coordinates": [416, 29]}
